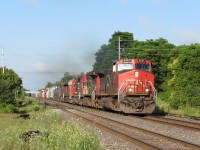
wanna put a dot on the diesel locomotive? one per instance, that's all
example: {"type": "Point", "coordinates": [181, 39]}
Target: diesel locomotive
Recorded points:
{"type": "Point", "coordinates": [128, 86]}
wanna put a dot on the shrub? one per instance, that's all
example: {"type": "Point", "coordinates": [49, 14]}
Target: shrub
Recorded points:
{"type": "Point", "coordinates": [8, 108]}
{"type": "Point", "coordinates": [37, 108]}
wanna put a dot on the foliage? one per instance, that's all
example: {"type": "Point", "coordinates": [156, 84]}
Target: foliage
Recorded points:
{"type": "Point", "coordinates": [158, 52]}
{"type": "Point", "coordinates": [8, 108]}
{"type": "Point", "coordinates": [10, 86]}
{"type": "Point", "coordinates": [108, 53]}
{"type": "Point", "coordinates": [67, 76]}
{"type": "Point", "coordinates": [49, 84]}
{"type": "Point", "coordinates": [176, 68]}
{"type": "Point", "coordinates": [163, 107]}
{"type": "Point", "coordinates": [55, 133]}
{"type": "Point", "coordinates": [183, 87]}
{"type": "Point", "coordinates": [29, 105]}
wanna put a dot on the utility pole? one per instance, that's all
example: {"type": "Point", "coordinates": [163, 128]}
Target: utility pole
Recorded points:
{"type": "Point", "coordinates": [2, 55]}
{"type": "Point", "coordinates": [119, 48]}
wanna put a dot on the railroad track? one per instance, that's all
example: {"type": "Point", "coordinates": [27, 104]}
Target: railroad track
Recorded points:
{"type": "Point", "coordinates": [105, 123]}
{"type": "Point", "coordinates": [174, 122]}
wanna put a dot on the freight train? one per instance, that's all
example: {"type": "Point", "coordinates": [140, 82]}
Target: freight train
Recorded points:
{"type": "Point", "coordinates": [127, 87]}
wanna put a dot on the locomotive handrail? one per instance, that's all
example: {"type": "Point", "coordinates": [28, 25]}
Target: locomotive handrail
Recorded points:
{"type": "Point", "coordinates": [121, 87]}
{"type": "Point", "coordinates": [154, 89]}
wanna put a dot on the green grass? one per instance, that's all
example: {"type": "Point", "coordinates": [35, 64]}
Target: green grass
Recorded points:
{"type": "Point", "coordinates": [8, 108]}
{"type": "Point", "coordinates": [163, 107]}
{"type": "Point", "coordinates": [62, 135]}
{"type": "Point", "coordinates": [56, 134]}
{"type": "Point", "coordinates": [30, 104]}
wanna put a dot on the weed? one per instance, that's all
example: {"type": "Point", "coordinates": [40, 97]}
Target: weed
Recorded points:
{"type": "Point", "coordinates": [61, 135]}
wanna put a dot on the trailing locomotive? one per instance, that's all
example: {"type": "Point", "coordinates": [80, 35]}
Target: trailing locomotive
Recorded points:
{"type": "Point", "coordinates": [127, 87]}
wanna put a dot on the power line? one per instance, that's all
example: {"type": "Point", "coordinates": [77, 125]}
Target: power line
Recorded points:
{"type": "Point", "coordinates": [26, 72]}
{"type": "Point", "coordinates": [148, 49]}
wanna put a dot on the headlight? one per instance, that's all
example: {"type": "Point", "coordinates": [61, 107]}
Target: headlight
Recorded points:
{"type": "Point", "coordinates": [136, 74]}
{"type": "Point", "coordinates": [147, 90]}
{"type": "Point", "coordinates": [130, 90]}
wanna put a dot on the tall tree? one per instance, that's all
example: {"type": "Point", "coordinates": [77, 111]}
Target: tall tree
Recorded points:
{"type": "Point", "coordinates": [67, 76]}
{"type": "Point", "coordinates": [10, 86]}
{"type": "Point", "coordinates": [158, 52]}
{"type": "Point", "coordinates": [108, 53]}
{"type": "Point", "coordinates": [183, 85]}
{"type": "Point", "coordinates": [49, 84]}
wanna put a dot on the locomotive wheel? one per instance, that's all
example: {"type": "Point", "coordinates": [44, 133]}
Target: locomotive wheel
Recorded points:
{"type": "Point", "coordinates": [97, 104]}
{"type": "Point", "coordinates": [80, 102]}
{"type": "Point", "coordinates": [75, 100]}
{"type": "Point", "coordinates": [70, 101]}
{"type": "Point", "coordinates": [145, 109]}
{"type": "Point", "coordinates": [86, 101]}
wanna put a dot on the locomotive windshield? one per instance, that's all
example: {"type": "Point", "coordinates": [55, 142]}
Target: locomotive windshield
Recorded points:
{"type": "Point", "coordinates": [123, 67]}
{"type": "Point", "coordinates": [145, 67]}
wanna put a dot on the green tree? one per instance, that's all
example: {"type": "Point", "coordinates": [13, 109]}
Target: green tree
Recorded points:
{"type": "Point", "coordinates": [67, 76]}
{"type": "Point", "coordinates": [49, 84]}
{"type": "Point", "coordinates": [183, 85]}
{"type": "Point", "coordinates": [108, 53]}
{"type": "Point", "coordinates": [10, 86]}
{"type": "Point", "coordinates": [158, 52]}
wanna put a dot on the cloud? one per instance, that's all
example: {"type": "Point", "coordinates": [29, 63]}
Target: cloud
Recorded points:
{"type": "Point", "coordinates": [41, 67]}
{"type": "Point", "coordinates": [148, 25]}
{"type": "Point", "coordinates": [187, 36]}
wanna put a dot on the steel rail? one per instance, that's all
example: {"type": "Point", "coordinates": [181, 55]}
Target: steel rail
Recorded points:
{"type": "Point", "coordinates": [174, 122]}
{"type": "Point", "coordinates": [184, 143]}
{"type": "Point", "coordinates": [120, 135]}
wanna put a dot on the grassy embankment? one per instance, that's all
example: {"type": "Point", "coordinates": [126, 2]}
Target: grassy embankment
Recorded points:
{"type": "Point", "coordinates": [164, 108]}
{"type": "Point", "coordinates": [55, 134]}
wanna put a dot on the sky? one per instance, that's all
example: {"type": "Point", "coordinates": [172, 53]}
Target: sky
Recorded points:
{"type": "Point", "coordinates": [43, 39]}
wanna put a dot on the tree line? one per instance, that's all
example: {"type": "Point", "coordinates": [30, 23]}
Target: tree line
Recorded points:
{"type": "Point", "coordinates": [176, 68]}
{"type": "Point", "coordinates": [10, 89]}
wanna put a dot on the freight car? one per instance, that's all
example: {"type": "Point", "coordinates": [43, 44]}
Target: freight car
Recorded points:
{"type": "Point", "coordinates": [127, 87]}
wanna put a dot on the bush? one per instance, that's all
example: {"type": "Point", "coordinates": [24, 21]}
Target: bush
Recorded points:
{"type": "Point", "coordinates": [159, 110]}
{"type": "Point", "coordinates": [37, 108]}
{"type": "Point", "coordinates": [8, 108]}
